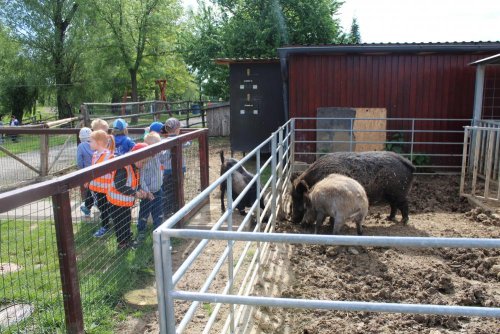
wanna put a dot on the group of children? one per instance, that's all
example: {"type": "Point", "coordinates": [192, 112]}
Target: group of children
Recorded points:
{"type": "Point", "coordinates": [114, 194]}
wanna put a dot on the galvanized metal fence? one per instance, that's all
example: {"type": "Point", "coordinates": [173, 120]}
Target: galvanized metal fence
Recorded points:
{"type": "Point", "coordinates": [56, 274]}
{"type": "Point", "coordinates": [480, 173]}
{"type": "Point", "coordinates": [433, 145]}
{"type": "Point", "coordinates": [241, 267]}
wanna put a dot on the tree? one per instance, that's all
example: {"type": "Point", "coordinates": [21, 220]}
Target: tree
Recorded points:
{"type": "Point", "coordinates": [47, 28]}
{"type": "Point", "coordinates": [202, 43]}
{"type": "Point", "coordinates": [16, 95]}
{"type": "Point", "coordinates": [354, 35]}
{"type": "Point", "coordinates": [235, 29]}
{"type": "Point", "coordinates": [135, 30]}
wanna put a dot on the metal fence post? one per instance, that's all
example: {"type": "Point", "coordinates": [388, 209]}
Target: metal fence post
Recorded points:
{"type": "Point", "coordinates": [464, 162]}
{"type": "Point", "coordinates": [230, 243]}
{"type": "Point", "coordinates": [67, 263]}
{"type": "Point", "coordinates": [412, 137]}
{"type": "Point", "coordinates": [259, 224]}
{"type": "Point", "coordinates": [351, 135]}
{"type": "Point", "coordinates": [292, 141]}
{"type": "Point", "coordinates": [44, 154]}
{"type": "Point", "coordinates": [178, 177]}
{"type": "Point", "coordinates": [274, 174]}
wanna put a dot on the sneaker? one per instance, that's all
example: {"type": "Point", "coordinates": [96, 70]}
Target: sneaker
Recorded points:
{"type": "Point", "coordinates": [85, 211]}
{"type": "Point", "coordinates": [129, 244]}
{"type": "Point", "coordinates": [141, 236]}
{"type": "Point", "coordinates": [101, 232]}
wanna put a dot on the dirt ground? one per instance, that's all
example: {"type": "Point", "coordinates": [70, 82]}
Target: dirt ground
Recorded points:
{"type": "Point", "coordinates": [430, 276]}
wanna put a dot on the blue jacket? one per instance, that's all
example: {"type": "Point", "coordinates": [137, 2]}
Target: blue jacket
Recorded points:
{"type": "Point", "coordinates": [123, 144]}
{"type": "Point", "coordinates": [84, 155]}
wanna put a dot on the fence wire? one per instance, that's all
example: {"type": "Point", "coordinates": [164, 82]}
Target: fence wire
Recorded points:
{"type": "Point", "coordinates": [30, 289]}
{"type": "Point", "coordinates": [109, 261]}
{"type": "Point", "coordinates": [29, 156]}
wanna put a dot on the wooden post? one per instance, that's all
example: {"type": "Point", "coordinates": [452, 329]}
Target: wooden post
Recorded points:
{"type": "Point", "coordinates": [488, 162]}
{"type": "Point", "coordinates": [85, 114]}
{"type": "Point", "coordinates": [178, 177]}
{"type": "Point", "coordinates": [203, 153]}
{"type": "Point", "coordinates": [202, 111]}
{"type": "Point", "coordinates": [67, 263]}
{"type": "Point", "coordinates": [44, 154]}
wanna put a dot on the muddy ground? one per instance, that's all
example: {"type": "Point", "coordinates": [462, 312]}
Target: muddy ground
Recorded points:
{"type": "Point", "coordinates": [430, 276]}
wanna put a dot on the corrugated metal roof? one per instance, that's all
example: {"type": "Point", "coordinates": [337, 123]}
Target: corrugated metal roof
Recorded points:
{"type": "Point", "coordinates": [227, 61]}
{"type": "Point", "coordinates": [387, 48]}
{"type": "Point", "coordinates": [493, 60]}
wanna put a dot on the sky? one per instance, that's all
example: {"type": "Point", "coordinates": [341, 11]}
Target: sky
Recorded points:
{"type": "Point", "coordinates": [410, 21]}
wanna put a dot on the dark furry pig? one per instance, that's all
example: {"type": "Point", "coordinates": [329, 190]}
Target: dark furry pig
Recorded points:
{"type": "Point", "coordinates": [336, 196]}
{"type": "Point", "coordinates": [240, 179]}
{"type": "Point", "coordinates": [385, 176]}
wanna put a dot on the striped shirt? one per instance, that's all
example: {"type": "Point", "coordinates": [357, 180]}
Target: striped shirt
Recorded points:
{"type": "Point", "coordinates": [151, 173]}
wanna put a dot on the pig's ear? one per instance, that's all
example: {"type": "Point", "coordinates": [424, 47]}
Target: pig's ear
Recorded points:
{"type": "Point", "coordinates": [302, 187]}
{"type": "Point", "coordinates": [294, 176]}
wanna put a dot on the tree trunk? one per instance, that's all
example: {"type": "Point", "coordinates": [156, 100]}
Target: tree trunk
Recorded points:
{"type": "Point", "coordinates": [133, 82]}
{"type": "Point", "coordinates": [62, 78]}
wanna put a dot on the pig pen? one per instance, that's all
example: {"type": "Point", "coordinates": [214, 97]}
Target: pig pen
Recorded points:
{"type": "Point", "coordinates": [442, 276]}
{"type": "Point", "coordinates": [438, 276]}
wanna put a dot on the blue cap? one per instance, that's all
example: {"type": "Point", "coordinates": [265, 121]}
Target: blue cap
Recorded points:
{"type": "Point", "coordinates": [120, 124]}
{"type": "Point", "coordinates": [156, 127]}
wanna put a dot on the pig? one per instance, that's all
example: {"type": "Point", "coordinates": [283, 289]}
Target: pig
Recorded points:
{"type": "Point", "coordinates": [240, 179]}
{"type": "Point", "coordinates": [338, 197]}
{"type": "Point", "coordinates": [385, 176]}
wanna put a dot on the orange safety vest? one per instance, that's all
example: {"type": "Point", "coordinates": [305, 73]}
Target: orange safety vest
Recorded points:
{"type": "Point", "coordinates": [101, 184]}
{"type": "Point", "coordinates": [119, 199]}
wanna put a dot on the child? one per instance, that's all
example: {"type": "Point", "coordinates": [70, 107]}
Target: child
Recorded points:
{"type": "Point", "coordinates": [123, 143]}
{"type": "Point", "coordinates": [122, 194]}
{"type": "Point", "coordinates": [100, 124]}
{"type": "Point", "coordinates": [172, 128]}
{"type": "Point", "coordinates": [99, 141]}
{"type": "Point", "coordinates": [154, 127]}
{"type": "Point", "coordinates": [151, 184]}
{"type": "Point", "coordinates": [84, 159]}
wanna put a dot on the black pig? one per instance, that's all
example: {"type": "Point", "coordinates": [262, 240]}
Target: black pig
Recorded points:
{"type": "Point", "coordinates": [240, 179]}
{"type": "Point", "coordinates": [386, 177]}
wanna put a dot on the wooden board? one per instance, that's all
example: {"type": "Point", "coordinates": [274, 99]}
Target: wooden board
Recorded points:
{"type": "Point", "coordinates": [377, 125]}
{"type": "Point", "coordinates": [336, 127]}
{"type": "Point", "coordinates": [218, 121]}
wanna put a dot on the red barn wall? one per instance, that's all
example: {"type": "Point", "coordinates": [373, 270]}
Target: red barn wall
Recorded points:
{"type": "Point", "coordinates": [407, 85]}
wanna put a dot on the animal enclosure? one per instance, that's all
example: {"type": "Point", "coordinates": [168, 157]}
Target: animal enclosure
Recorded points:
{"type": "Point", "coordinates": [266, 273]}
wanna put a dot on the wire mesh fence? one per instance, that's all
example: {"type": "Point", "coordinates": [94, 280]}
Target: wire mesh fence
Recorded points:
{"type": "Point", "coordinates": [44, 228]}
{"type": "Point", "coordinates": [35, 153]}
{"type": "Point", "coordinates": [30, 289]}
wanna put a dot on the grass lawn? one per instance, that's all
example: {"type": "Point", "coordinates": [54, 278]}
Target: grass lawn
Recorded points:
{"type": "Point", "coordinates": [105, 274]}
{"type": "Point", "coordinates": [29, 143]}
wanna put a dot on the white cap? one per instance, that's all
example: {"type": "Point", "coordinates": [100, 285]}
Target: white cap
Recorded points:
{"type": "Point", "coordinates": [84, 134]}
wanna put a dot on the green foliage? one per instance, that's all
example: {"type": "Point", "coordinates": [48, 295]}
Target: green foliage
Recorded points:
{"type": "Point", "coordinates": [236, 29]}
{"type": "Point", "coordinates": [397, 144]}
{"type": "Point", "coordinates": [49, 31]}
{"type": "Point", "coordinates": [142, 34]}
{"type": "Point", "coordinates": [17, 96]}
{"type": "Point", "coordinates": [16, 93]}
{"type": "Point", "coordinates": [354, 35]}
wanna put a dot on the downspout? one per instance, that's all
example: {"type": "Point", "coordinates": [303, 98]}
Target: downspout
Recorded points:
{"type": "Point", "coordinates": [284, 78]}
